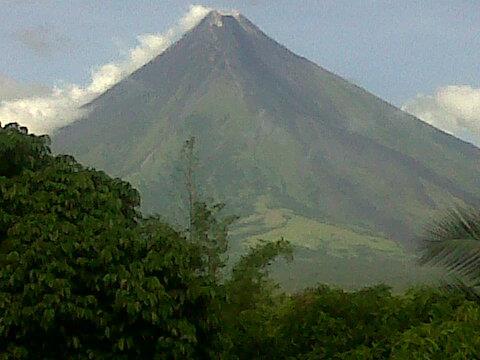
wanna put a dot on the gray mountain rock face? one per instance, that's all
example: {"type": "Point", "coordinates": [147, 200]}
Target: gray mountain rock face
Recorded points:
{"type": "Point", "coordinates": [271, 126]}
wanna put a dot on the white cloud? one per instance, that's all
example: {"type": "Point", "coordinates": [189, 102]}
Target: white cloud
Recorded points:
{"type": "Point", "coordinates": [454, 109]}
{"type": "Point", "coordinates": [44, 114]}
{"type": "Point", "coordinates": [193, 17]}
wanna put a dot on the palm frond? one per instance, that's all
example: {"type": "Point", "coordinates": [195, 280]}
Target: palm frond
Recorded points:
{"type": "Point", "coordinates": [453, 243]}
{"type": "Point", "coordinates": [471, 290]}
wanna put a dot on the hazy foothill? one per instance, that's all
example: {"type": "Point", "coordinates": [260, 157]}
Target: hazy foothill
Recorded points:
{"type": "Point", "coordinates": [233, 200]}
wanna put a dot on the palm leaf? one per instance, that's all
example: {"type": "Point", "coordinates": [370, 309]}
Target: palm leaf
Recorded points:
{"type": "Point", "coordinates": [456, 284]}
{"type": "Point", "coordinates": [453, 243]}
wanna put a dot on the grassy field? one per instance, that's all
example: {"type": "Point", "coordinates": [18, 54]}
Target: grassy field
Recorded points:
{"type": "Point", "coordinates": [324, 253]}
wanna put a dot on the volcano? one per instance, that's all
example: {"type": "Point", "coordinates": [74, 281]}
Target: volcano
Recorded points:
{"type": "Point", "coordinates": [292, 148]}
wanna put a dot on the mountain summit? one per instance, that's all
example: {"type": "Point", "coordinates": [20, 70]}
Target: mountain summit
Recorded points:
{"type": "Point", "coordinates": [285, 143]}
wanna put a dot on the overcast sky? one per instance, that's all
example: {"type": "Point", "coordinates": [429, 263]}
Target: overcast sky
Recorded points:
{"type": "Point", "coordinates": [398, 50]}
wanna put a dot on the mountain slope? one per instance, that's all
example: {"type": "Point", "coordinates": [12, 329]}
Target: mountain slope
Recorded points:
{"type": "Point", "coordinates": [275, 128]}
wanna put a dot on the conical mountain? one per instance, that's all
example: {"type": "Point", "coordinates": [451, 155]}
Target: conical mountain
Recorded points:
{"type": "Point", "coordinates": [285, 143]}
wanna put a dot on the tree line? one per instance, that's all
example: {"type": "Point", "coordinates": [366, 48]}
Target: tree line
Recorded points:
{"type": "Point", "coordinates": [85, 275]}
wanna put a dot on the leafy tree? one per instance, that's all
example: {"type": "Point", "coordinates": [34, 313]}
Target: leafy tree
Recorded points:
{"type": "Point", "coordinates": [453, 338]}
{"type": "Point", "coordinates": [326, 323]}
{"type": "Point", "coordinates": [84, 275]}
{"type": "Point", "coordinates": [210, 233]}
{"type": "Point", "coordinates": [248, 290]}
{"type": "Point", "coordinates": [249, 284]}
{"type": "Point", "coordinates": [191, 163]}
{"type": "Point", "coordinates": [20, 151]}
{"type": "Point", "coordinates": [251, 301]}
{"type": "Point", "coordinates": [206, 228]}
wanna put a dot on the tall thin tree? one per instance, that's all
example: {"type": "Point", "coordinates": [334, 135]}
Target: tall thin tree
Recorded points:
{"type": "Point", "coordinates": [191, 162]}
{"type": "Point", "coordinates": [206, 227]}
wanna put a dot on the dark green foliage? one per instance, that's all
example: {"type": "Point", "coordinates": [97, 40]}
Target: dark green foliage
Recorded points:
{"type": "Point", "coordinates": [453, 337]}
{"type": "Point", "coordinates": [251, 300]}
{"type": "Point", "coordinates": [210, 232]}
{"type": "Point", "coordinates": [20, 151]}
{"type": "Point", "coordinates": [325, 323]}
{"type": "Point", "coordinates": [249, 284]}
{"type": "Point", "coordinates": [84, 275]}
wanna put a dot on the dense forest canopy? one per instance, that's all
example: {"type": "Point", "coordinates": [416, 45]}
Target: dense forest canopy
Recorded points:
{"type": "Point", "coordinates": [83, 274]}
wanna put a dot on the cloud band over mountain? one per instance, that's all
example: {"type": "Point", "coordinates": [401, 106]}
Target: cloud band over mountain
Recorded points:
{"type": "Point", "coordinates": [454, 109]}
{"type": "Point", "coordinates": [44, 114]}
